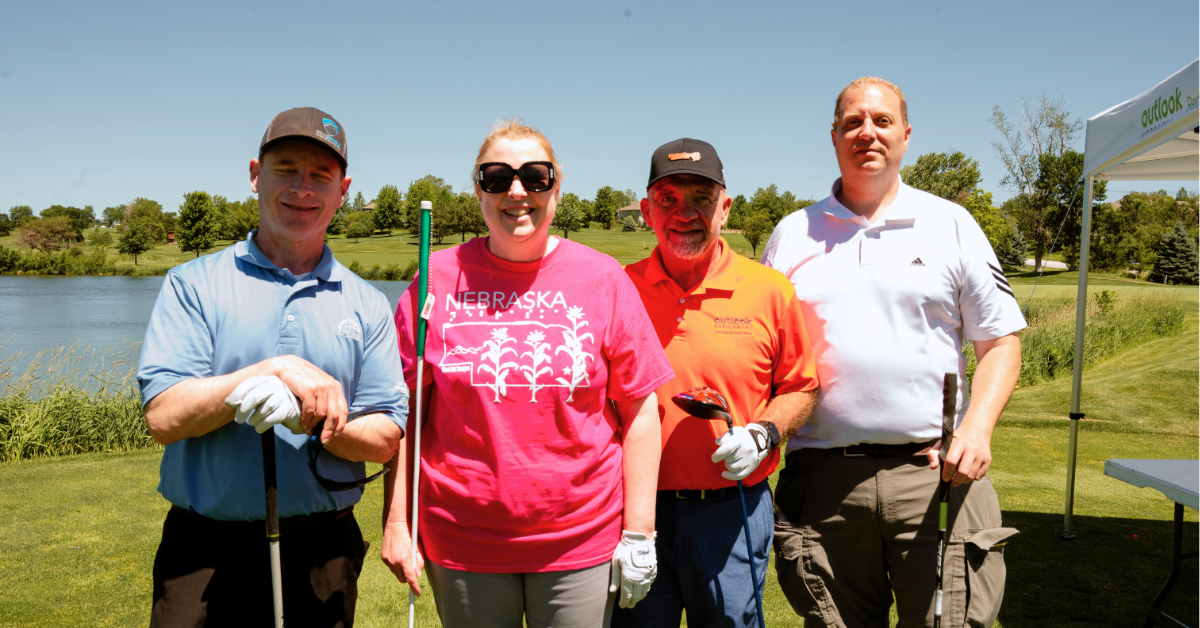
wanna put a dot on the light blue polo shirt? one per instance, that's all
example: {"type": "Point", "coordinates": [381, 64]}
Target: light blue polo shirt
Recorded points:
{"type": "Point", "coordinates": [229, 310]}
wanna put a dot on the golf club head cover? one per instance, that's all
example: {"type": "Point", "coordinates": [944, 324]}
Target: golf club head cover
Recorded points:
{"type": "Point", "coordinates": [264, 402]}
{"type": "Point", "coordinates": [634, 566]}
{"type": "Point", "coordinates": [742, 449]}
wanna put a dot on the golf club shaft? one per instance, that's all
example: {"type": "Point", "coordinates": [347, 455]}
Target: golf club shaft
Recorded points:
{"type": "Point", "coordinates": [943, 508]}
{"type": "Point", "coordinates": [949, 412]}
{"type": "Point", "coordinates": [423, 294]}
{"type": "Point", "coordinates": [412, 597]}
{"type": "Point", "coordinates": [268, 454]}
{"type": "Point", "coordinates": [750, 552]}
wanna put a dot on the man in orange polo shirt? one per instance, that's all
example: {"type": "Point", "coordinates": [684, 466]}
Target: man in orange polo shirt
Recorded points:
{"type": "Point", "coordinates": [729, 323]}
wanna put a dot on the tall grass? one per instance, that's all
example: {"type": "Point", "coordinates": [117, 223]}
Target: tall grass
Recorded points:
{"type": "Point", "coordinates": [1113, 325]}
{"type": "Point", "coordinates": [71, 400]}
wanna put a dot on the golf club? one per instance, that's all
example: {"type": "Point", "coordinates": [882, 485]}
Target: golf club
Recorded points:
{"type": "Point", "coordinates": [705, 403]}
{"type": "Point", "coordinates": [268, 455]}
{"type": "Point", "coordinates": [949, 410]}
{"type": "Point", "coordinates": [422, 319]}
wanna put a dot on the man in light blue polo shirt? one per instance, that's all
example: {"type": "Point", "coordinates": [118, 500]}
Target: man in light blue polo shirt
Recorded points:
{"type": "Point", "coordinates": [276, 324]}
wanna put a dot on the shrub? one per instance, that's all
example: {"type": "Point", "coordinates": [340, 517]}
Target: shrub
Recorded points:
{"type": "Point", "coordinates": [628, 224]}
{"type": "Point", "coordinates": [410, 271]}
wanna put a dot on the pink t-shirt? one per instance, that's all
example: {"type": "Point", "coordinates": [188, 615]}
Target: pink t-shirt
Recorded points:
{"type": "Point", "coordinates": [521, 456]}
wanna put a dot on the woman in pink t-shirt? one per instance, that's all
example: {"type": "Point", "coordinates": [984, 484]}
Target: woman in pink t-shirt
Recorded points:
{"type": "Point", "coordinates": [540, 450]}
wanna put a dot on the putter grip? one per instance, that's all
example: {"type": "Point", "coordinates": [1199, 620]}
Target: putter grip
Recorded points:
{"type": "Point", "coordinates": [268, 454]}
{"type": "Point", "coordinates": [949, 410]}
{"type": "Point", "coordinates": [423, 266]}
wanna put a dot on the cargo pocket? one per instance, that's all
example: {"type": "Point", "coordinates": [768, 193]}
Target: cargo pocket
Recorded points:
{"type": "Point", "coordinates": [982, 553]}
{"type": "Point", "coordinates": [789, 542]}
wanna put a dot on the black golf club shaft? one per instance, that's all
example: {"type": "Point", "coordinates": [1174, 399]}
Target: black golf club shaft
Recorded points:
{"type": "Point", "coordinates": [949, 411]}
{"type": "Point", "coordinates": [268, 455]}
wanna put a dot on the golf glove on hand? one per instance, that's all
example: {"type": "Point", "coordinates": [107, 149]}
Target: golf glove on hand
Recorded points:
{"type": "Point", "coordinates": [635, 564]}
{"type": "Point", "coordinates": [742, 448]}
{"type": "Point", "coordinates": [265, 402]}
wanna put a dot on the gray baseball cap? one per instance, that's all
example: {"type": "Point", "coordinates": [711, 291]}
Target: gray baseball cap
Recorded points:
{"type": "Point", "coordinates": [306, 123]}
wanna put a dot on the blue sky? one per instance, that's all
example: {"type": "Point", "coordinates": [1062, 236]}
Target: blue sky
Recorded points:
{"type": "Point", "coordinates": [105, 102]}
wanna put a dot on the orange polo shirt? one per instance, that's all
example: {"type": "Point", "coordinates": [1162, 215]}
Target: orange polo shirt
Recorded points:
{"type": "Point", "coordinates": [740, 332]}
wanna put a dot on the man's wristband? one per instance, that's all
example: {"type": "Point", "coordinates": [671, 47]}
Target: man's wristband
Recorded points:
{"type": "Point", "coordinates": [772, 434]}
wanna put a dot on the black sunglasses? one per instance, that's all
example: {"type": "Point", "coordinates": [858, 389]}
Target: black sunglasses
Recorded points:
{"type": "Point", "coordinates": [496, 177]}
{"type": "Point", "coordinates": [315, 447]}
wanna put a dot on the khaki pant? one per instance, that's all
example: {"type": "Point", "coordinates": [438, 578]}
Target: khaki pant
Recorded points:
{"type": "Point", "coordinates": [852, 531]}
{"type": "Point", "coordinates": [578, 598]}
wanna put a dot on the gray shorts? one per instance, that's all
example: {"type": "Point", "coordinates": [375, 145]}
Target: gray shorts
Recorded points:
{"type": "Point", "coordinates": [852, 531]}
{"type": "Point", "coordinates": [578, 598]}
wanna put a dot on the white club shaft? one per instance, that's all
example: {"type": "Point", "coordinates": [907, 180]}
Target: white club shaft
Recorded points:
{"type": "Point", "coordinates": [277, 583]}
{"type": "Point", "coordinates": [412, 598]}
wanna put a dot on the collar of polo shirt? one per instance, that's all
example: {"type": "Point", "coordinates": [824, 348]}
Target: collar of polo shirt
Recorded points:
{"type": "Point", "coordinates": [248, 251]}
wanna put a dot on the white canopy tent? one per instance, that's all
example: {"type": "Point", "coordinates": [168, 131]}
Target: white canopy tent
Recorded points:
{"type": "Point", "coordinates": [1154, 136]}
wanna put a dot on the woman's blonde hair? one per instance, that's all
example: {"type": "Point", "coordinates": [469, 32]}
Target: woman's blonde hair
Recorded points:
{"type": "Point", "coordinates": [870, 80]}
{"type": "Point", "coordinates": [515, 129]}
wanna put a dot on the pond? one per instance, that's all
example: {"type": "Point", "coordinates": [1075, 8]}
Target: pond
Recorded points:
{"type": "Point", "coordinates": [40, 313]}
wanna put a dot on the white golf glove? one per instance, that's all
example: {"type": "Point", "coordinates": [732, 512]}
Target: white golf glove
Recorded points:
{"type": "Point", "coordinates": [635, 564]}
{"type": "Point", "coordinates": [265, 402]}
{"type": "Point", "coordinates": [742, 448]}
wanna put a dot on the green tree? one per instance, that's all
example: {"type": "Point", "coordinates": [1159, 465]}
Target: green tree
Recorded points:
{"type": "Point", "coordinates": [46, 234]}
{"type": "Point", "coordinates": [360, 225]}
{"type": "Point", "coordinates": [360, 229]}
{"type": "Point", "coordinates": [1048, 129]}
{"type": "Point", "coordinates": [112, 216]}
{"type": "Point", "coordinates": [241, 217]}
{"type": "Point", "coordinates": [1175, 258]}
{"type": "Point", "coordinates": [359, 202]}
{"type": "Point", "coordinates": [466, 216]}
{"type": "Point", "coordinates": [754, 228]}
{"type": "Point", "coordinates": [389, 209]}
{"type": "Point", "coordinates": [739, 211]}
{"type": "Point", "coordinates": [989, 217]}
{"type": "Point", "coordinates": [1014, 255]}
{"type": "Point", "coordinates": [139, 237]}
{"type": "Point", "coordinates": [100, 238]}
{"type": "Point", "coordinates": [198, 225]}
{"type": "Point", "coordinates": [631, 198]}
{"type": "Point", "coordinates": [337, 224]}
{"type": "Point", "coordinates": [20, 214]}
{"type": "Point", "coordinates": [588, 208]}
{"type": "Point", "coordinates": [947, 175]}
{"type": "Point", "coordinates": [628, 224]}
{"type": "Point", "coordinates": [568, 216]}
{"type": "Point", "coordinates": [81, 219]}
{"type": "Point", "coordinates": [6, 225]}
{"type": "Point", "coordinates": [150, 212]}
{"type": "Point", "coordinates": [441, 195]}
{"type": "Point", "coordinates": [604, 209]}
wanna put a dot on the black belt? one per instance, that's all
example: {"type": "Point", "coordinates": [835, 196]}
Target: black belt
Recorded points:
{"type": "Point", "coordinates": [287, 525]}
{"type": "Point", "coordinates": [716, 494]}
{"type": "Point", "coordinates": [872, 450]}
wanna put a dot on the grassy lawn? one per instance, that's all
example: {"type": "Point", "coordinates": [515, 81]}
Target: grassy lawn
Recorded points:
{"type": "Point", "coordinates": [78, 534]}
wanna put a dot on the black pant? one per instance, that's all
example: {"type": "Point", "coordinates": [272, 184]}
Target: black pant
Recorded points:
{"type": "Point", "coordinates": [215, 573]}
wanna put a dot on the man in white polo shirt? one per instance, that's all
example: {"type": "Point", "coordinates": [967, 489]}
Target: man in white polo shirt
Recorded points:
{"type": "Point", "coordinates": [891, 279]}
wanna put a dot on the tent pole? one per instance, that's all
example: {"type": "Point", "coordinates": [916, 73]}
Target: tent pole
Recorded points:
{"type": "Point", "coordinates": [1085, 239]}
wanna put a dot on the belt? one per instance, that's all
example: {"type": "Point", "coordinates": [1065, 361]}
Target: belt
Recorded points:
{"type": "Point", "coordinates": [872, 450]}
{"type": "Point", "coordinates": [287, 525]}
{"type": "Point", "coordinates": [715, 494]}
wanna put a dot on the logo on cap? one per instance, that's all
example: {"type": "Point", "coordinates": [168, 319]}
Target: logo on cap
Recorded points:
{"type": "Point", "coordinates": [677, 156]}
{"type": "Point", "coordinates": [331, 127]}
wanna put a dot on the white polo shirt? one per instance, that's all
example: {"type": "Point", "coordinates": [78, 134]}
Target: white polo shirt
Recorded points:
{"type": "Point", "coordinates": [887, 306]}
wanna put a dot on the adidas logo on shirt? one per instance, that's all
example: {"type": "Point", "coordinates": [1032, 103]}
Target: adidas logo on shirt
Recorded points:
{"type": "Point", "coordinates": [917, 262]}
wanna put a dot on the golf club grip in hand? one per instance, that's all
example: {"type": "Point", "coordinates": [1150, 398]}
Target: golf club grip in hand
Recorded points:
{"type": "Point", "coordinates": [949, 411]}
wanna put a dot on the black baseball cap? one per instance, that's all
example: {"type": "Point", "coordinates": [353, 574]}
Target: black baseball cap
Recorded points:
{"type": "Point", "coordinates": [686, 156]}
{"type": "Point", "coordinates": [306, 123]}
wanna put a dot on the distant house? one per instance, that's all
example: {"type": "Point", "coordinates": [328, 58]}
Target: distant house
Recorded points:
{"type": "Point", "coordinates": [631, 211]}
{"type": "Point", "coordinates": [369, 207]}
{"type": "Point", "coordinates": [170, 237]}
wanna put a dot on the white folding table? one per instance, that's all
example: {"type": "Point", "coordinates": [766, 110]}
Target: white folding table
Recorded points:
{"type": "Point", "coordinates": [1179, 480]}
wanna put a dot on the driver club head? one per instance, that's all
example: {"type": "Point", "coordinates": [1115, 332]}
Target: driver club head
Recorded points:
{"type": "Point", "coordinates": [703, 402]}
